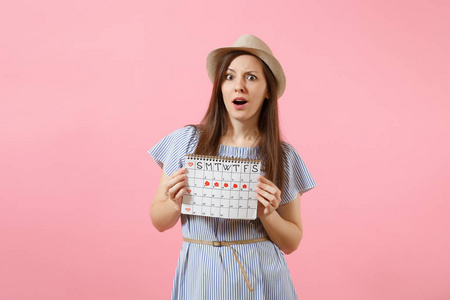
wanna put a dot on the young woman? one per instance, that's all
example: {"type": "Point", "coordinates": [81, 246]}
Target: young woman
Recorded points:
{"type": "Point", "coordinates": [233, 258]}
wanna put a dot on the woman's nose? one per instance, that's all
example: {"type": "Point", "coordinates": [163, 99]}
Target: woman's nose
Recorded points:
{"type": "Point", "coordinates": [239, 87]}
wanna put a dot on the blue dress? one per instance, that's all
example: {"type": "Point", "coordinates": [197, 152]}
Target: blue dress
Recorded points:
{"type": "Point", "coordinates": [207, 272]}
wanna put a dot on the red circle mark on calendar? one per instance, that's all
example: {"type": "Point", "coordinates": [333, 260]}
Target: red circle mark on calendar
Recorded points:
{"type": "Point", "coordinates": [216, 184]}
{"type": "Point", "coordinates": [206, 183]}
{"type": "Point", "coordinates": [225, 184]}
{"type": "Point", "coordinates": [189, 191]}
{"type": "Point", "coordinates": [244, 186]}
{"type": "Point", "coordinates": [235, 186]}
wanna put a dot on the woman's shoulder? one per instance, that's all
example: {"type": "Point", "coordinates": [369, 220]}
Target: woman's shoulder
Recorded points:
{"type": "Point", "coordinates": [169, 152]}
{"type": "Point", "coordinates": [178, 139]}
{"type": "Point", "coordinates": [288, 149]}
{"type": "Point", "coordinates": [297, 176]}
{"type": "Point", "coordinates": [187, 131]}
{"type": "Point", "coordinates": [179, 136]}
{"type": "Point", "coordinates": [291, 157]}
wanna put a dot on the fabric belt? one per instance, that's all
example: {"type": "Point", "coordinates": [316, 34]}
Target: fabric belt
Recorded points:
{"type": "Point", "coordinates": [229, 244]}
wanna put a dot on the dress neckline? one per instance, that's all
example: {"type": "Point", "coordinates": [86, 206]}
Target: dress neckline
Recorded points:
{"type": "Point", "coordinates": [236, 147]}
{"type": "Point", "coordinates": [238, 152]}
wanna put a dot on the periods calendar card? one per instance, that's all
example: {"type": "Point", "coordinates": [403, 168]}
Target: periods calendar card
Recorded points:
{"type": "Point", "coordinates": [221, 187]}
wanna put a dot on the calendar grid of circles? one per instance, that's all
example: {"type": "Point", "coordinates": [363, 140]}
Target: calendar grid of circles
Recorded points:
{"type": "Point", "coordinates": [221, 187]}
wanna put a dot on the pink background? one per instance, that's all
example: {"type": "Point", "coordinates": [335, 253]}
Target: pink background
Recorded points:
{"type": "Point", "coordinates": [87, 87]}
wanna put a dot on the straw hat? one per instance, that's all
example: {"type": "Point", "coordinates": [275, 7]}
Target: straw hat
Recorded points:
{"type": "Point", "coordinates": [254, 45]}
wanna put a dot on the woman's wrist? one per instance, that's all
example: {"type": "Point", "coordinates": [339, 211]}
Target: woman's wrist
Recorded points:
{"type": "Point", "coordinates": [268, 217]}
{"type": "Point", "coordinates": [173, 206]}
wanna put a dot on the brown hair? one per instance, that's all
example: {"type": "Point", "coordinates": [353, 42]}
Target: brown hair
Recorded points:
{"type": "Point", "coordinates": [215, 123]}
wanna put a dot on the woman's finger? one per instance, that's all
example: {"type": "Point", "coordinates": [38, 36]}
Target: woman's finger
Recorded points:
{"type": "Point", "coordinates": [265, 194]}
{"type": "Point", "coordinates": [177, 173]}
{"type": "Point", "coordinates": [179, 195]}
{"type": "Point", "coordinates": [267, 207]}
{"type": "Point", "coordinates": [268, 185]}
{"type": "Point", "coordinates": [265, 180]}
{"type": "Point", "coordinates": [262, 200]}
{"type": "Point", "coordinates": [268, 188]}
{"type": "Point", "coordinates": [275, 203]}
{"type": "Point", "coordinates": [172, 181]}
{"type": "Point", "coordinates": [176, 179]}
{"type": "Point", "coordinates": [173, 191]}
{"type": "Point", "coordinates": [272, 200]}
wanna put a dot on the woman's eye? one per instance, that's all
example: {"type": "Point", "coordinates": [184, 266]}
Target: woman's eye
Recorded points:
{"type": "Point", "coordinates": [251, 77]}
{"type": "Point", "coordinates": [228, 77]}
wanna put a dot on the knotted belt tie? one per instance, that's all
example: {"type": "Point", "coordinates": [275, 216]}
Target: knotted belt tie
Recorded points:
{"type": "Point", "coordinates": [229, 244]}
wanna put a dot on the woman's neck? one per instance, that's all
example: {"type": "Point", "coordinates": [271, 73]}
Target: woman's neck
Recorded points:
{"type": "Point", "coordinates": [240, 135]}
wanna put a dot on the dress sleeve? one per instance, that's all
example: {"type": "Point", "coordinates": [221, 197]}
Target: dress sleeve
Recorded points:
{"type": "Point", "coordinates": [297, 177]}
{"type": "Point", "coordinates": [169, 152]}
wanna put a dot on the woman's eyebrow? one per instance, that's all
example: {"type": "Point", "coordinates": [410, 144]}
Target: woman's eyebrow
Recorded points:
{"type": "Point", "coordinates": [245, 72]}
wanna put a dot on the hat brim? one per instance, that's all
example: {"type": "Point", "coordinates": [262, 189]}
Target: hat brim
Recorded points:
{"type": "Point", "coordinates": [215, 56]}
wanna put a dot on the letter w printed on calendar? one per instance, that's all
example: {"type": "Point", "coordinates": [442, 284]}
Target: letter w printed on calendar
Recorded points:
{"type": "Point", "coordinates": [221, 187]}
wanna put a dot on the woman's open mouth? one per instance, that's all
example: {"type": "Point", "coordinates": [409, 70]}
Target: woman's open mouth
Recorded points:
{"type": "Point", "coordinates": [239, 103]}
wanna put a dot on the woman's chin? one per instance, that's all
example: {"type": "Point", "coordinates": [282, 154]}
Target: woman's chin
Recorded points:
{"type": "Point", "coordinates": [241, 116]}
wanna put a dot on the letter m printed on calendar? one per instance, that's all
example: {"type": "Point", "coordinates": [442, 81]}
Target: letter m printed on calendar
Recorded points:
{"type": "Point", "coordinates": [221, 187]}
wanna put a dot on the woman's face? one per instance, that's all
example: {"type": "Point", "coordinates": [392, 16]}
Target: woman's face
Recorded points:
{"type": "Point", "coordinates": [244, 88]}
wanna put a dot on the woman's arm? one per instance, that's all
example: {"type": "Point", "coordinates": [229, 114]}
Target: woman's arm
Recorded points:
{"type": "Point", "coordinates": [283, 224]}
{"type": "Point", "coordinates": [166, 206]}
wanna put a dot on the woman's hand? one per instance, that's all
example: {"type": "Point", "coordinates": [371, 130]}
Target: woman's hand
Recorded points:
{"type": "Point", "coordinates": [268, 195]}
{"type": "Point", "coordinates": [283, 224]}
{"type": "Point", "coordinates": [174, 187]}
{"type": "Point", "coordinates": [166, 206]}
